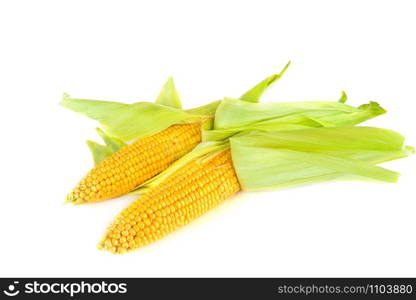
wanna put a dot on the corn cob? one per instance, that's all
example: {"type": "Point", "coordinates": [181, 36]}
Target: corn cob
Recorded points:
{"type": "Point", "coordinates": [182, 197]}
{"type": "Point", "coordinates": [134, 164]}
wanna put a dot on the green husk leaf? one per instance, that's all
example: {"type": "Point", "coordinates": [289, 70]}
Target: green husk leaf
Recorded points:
{"type": "Point", "coordinates": [343, 97]}
{"type": "Point", "coordinates": [112, 143]}
{"type": "Point", "coordinates": [169, 95]}
{"type": "Point", "coordinates": [283, 159]}
{"type": "Point", "coordinates": [254, 94]}
{"type": "Point", "coordinates": [339, 139]}
{"type": "Point", "coordinates": [236, 113]}
{"type": "Point", "coordinates": [274, 125]}
{"type": "Point", "coordinates": [130, 121]}
{"type": "Point", "coordinates": [100, 152]}
{"type": "Point", "coordinates": [201, 151]}
{"type": "Point", "coordinates": [205, 110]}
{"type": "Point", "coordinates": [234, 116]}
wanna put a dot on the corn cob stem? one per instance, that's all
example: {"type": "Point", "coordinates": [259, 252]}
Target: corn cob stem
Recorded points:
{"type": "Point", "coordinates": [182, 197]}
{"type": "Point", "coordinates": [134, 164]}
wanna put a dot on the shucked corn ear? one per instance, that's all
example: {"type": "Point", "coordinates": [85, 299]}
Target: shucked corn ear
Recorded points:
{"type": "Point", "coordinates": [182, 197]}
{"type": "Point", "coordinates": [136, 163]}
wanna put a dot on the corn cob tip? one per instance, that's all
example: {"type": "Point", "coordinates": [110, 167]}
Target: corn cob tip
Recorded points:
{"type": "Point", "coordinates": [71, 198]}
{"type": "Point", "coordinates": [105, 245]}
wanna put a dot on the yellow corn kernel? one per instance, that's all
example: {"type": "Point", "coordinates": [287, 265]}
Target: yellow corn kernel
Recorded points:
{"type": "Point", "coordinates": [134, 164]}
{"type": "Point", "coordinates": [184, 196]}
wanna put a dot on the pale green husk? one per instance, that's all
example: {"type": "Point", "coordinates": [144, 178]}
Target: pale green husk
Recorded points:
{"type": "Point", "coordinates": [100, 152]}
{"type": "Point", "coordinates": [169, 95]}
{"type": "Point", "coordinates": [205, 110]}
{"type": "Point", "coordinates": [128, 122]}
{"type": "Point", "coordinates": [234, 116]}
{"type": "Point", "coordinates": [254, 94]}
{"type": "Point", "coordinates": [277, 160]}
{"type": "Point", "coordinates": [236, 113]}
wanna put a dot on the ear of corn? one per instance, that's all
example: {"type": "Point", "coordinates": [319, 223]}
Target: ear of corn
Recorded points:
{"type": "Point", "coordinates": [190, 192]}
{"type": "Point", "coordinates": [136, 163]}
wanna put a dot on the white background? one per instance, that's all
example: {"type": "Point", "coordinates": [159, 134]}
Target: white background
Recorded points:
{"type": "Point", "coordinates": [125, 50]}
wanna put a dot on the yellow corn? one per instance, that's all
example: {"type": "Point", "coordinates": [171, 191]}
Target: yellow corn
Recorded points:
{"type": "Point", "coordinates": [134, 164]}
{"type": "Point", "coordinates": [187, 194]}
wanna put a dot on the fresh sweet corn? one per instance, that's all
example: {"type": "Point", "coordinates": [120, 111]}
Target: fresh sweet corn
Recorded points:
{"type": "Point", "coordinates": [182, 197]}
{"type": "Point", "coordinates": [134, 164]}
